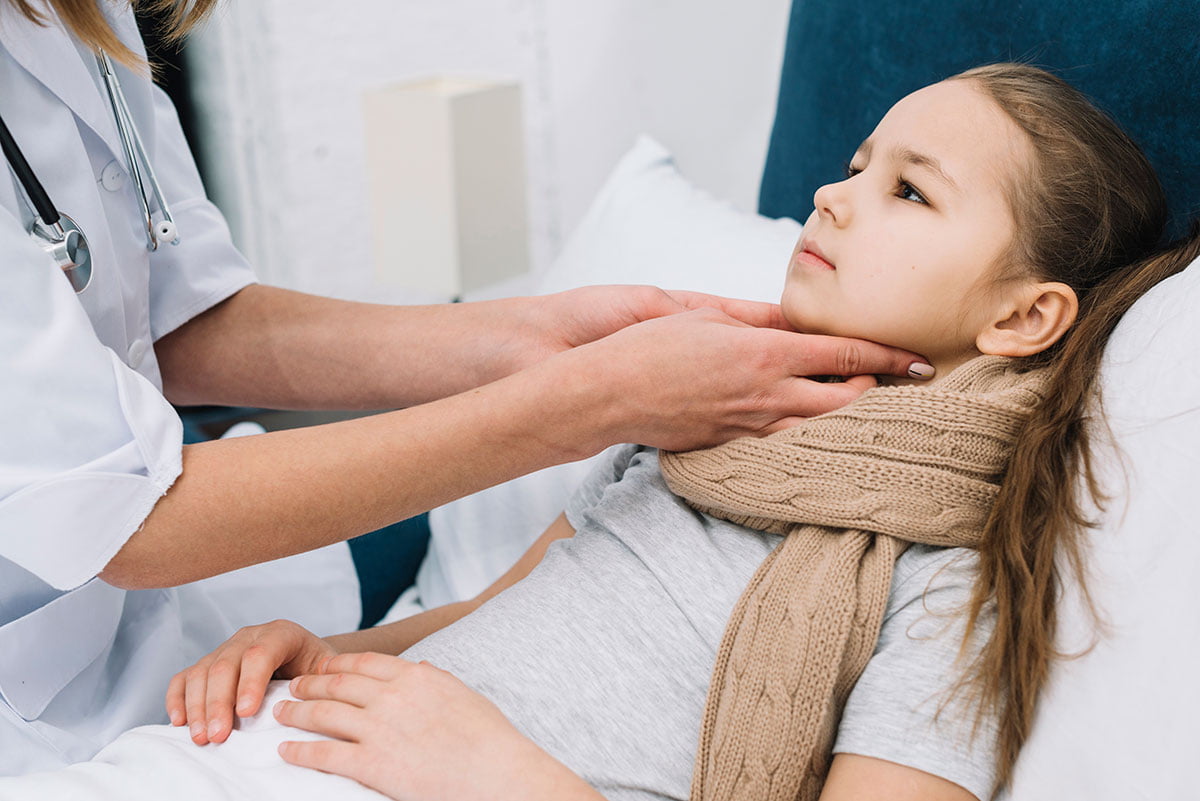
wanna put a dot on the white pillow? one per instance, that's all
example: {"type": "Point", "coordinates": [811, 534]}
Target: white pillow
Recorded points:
{"type": "Point", "coordinates": [647, 225]}
{"type": "Point", "coordinates": [1120, 722]}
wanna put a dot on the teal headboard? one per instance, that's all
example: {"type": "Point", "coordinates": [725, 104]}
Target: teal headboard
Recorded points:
{"type": "Point", "coordinates": [848, 61]}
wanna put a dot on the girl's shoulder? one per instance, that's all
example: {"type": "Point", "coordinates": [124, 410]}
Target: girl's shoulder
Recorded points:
{"type": "Point", "coordinates": [940, 579]}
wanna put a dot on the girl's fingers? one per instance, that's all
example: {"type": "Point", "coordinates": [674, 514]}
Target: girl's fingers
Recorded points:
{"type": "Point", "coordinates": [219, 694]}
{"type": "Point", "coordinates": [350, 688]}
{"type": "Point", "coordinates": [175, 708]}
{"type": "Point", "coordinates": [259, 664]}
{"type": "Point", "coordinates": [329, 756]}
{"type": "Point", "coordinates": [376, 666]}
{"type": "Point", "coordinates": [194, 702]}
{"type": "Point", "coordinates": [331, 718]}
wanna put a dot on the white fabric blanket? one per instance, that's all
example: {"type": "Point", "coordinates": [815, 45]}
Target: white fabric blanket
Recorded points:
{"type": "Point", "coordinates": [161, 763]}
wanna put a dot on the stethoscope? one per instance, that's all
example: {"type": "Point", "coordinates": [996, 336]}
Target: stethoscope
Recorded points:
{"type": "Point", "coordinates": [58, 234]}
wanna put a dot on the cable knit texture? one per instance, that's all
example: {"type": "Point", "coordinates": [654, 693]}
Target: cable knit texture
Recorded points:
{"type": "Point", "coordinates": [849, 489]}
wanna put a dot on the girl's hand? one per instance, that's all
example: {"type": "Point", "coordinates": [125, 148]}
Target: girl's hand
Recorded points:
{"type": "Point", "coordinates": [417, 733]}
{"type": "Point", "coordinates": [202, 696]}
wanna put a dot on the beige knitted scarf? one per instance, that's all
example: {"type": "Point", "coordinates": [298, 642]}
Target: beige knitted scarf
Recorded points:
{"type": "Point", "coordinates": [850, 489]}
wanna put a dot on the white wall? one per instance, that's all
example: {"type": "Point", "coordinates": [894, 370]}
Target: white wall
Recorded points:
{"type": "Point", "coordinates": [280, 100]}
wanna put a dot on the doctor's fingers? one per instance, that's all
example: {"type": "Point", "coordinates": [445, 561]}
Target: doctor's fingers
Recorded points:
{"type": "Point", "coordinates": [814, 354]}
{"type": "Point", "coordinates": [807, 398]}
{"type": "Point", "coordinates": [751, 312]}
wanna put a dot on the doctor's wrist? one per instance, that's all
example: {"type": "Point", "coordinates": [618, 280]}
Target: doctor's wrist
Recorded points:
{"type": "Point", "coordinates": [505, 336]}
{"type": "Point", "coordinates": [565, 407]}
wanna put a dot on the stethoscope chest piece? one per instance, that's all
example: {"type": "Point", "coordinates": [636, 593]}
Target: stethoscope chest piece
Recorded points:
{"type": "Point", "coordinates": [61, 237]}
{"type": "Point", "coordinates": [68, 247]}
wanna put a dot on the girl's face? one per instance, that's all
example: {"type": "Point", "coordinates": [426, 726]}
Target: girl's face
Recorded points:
{"type": "Point", "coordinates": [905, 250]}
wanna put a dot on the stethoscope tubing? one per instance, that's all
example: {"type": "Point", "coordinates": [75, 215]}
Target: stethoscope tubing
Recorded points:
{"type": "Point", "coordinates": [135, 151]}
{"type": "Point", "coordinates": [57, 233]}
{"type": "Point", "coordinates": [28, 178]}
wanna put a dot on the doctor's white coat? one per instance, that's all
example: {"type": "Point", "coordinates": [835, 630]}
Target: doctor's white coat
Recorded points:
{"type": "Point", "coordinates": [88, 444]}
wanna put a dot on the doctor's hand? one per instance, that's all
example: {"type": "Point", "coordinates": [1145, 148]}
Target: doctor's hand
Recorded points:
{"type": "Point", "coordinates": [702, 377]}
{"type": "Point", "coordinates": [417, 733]}
{"type": "Point", "coordinates": [203, 696]}
{"type": "Point", "coordinates": [565, 320]}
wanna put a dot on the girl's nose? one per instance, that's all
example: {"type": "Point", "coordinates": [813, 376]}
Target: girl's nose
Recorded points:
{"type": "Point", "coordinates": [832, 202]}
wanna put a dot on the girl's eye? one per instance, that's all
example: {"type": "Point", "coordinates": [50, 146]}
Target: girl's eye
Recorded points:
{"type": "Point", "coordinates": [904, 190]}
{"type": "Point", "coordinates": [907, 191]}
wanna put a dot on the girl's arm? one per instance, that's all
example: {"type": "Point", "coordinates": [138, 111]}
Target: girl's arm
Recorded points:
{"type": "Point", "coordinates": [203, 696]}
{"type": "Point", "coordinates": [860, 778]}
{"type": "Point", "coordinates": [397, 637]}
{"type": "Point", "coordinates": [412, 731]}
{"type": "Point", "coordinates": [428, 715]}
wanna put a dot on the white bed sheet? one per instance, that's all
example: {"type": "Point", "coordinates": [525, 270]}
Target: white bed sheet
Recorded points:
{"type": "Point", "coordinates": [160, 763]}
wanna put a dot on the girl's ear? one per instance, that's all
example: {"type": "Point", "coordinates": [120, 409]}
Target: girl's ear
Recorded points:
{"type": "Point", "coordinates": [1030, 320]}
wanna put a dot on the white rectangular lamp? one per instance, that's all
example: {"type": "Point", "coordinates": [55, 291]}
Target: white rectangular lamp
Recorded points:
{"type": "Point", "coordinates": [446, 176]}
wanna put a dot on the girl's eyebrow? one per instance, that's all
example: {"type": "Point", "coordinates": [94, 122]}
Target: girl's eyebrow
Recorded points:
{"type": "Point", "coordinates": [906, 155]}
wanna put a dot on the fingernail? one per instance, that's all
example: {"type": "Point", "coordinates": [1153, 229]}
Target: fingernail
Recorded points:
{"type": "Point", "coordinates": [214, 728]}
{"type": "Point", "coordinates": [243, 706]}
{"type": "Point", "coordinates": [197, 729]}
{"type": "Point", "coordinates": [921, 370]}
{"type": "Point", "coordinates": [278, 708]}
{"type": "Point", "coordinates": [176, 719]}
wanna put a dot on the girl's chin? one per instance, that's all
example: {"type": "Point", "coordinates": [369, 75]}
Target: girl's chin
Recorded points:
{"type": "Point", "coordinates": [807, 324]}
{"type": "Point", "coordinates": [802, 318]}
{"type": "Point", "coordinates": [812, 325]}
{"type": "Point", "coordinates": [803, 313]}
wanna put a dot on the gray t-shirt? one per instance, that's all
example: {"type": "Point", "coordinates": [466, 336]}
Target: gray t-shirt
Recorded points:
{"type": "Point", "coordinates": [602, 655]}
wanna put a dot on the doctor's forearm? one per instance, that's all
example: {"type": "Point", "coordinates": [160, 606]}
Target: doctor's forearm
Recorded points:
{"type": "Point", "coordinates": [275, 348]}
{"type": "Point", "coordinates": [244, 501]}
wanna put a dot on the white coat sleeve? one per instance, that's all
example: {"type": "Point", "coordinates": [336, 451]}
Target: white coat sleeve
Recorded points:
{"type": "Point", "coordinates": [87, 445]}
{"type": "Point", "coordinates": [205, 267]}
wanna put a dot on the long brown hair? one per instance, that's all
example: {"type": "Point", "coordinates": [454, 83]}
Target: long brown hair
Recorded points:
{"type": "Point", "coordinates": [1089, 212]}
{"type": "Point", "coordinates": [85, 19]}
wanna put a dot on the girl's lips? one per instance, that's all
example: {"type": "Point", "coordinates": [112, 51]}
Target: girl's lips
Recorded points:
{"type": "Point", "coordinates": [813, 260]}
